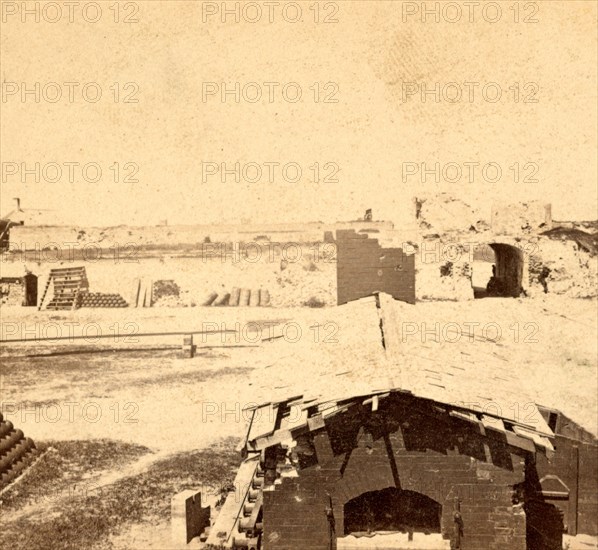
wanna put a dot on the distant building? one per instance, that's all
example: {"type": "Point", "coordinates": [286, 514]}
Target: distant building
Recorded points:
{"type": "Point", "coordinates": [20, 216]}
{"type": "Point", "coordinates": [29, 216]}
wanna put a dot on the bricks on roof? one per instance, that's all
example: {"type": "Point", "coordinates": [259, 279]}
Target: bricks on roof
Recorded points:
{"type": "Point", "coordinates": [367, 355]}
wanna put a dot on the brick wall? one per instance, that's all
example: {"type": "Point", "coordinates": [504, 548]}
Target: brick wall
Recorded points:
{"type": "Point", "coordinates": [364, 267]}
{"type": "Point", "coordinates": [576, 465]}
{"type": "Point", "coordinates": [12, 293]}
{"type": "Point", "coordinates": [410, 452]}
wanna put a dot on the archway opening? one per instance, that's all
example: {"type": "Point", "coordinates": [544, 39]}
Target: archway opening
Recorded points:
{"type": "Point", "coordinates": [498, 271]}
{"type": "Point", "coordinates": [483, 268]}
{"type": "Point", "coordinates": [392, 510]}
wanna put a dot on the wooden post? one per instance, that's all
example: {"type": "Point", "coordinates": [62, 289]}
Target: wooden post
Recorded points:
{"type": "Point", "coordinates": [331, 524]}
{"type": "Point", "coordinates": [458, 519]}
{"type": "Point", "coordinates": [188, 518]}
{"type": "Point", "coordinates": [188, 347]}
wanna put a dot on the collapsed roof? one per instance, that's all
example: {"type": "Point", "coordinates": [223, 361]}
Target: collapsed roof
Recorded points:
{"type": "Point", "coordinates": [366, 357]}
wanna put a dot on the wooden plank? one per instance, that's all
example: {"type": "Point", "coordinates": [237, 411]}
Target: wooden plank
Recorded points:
{"type": "Point", "coordinates": [263, 422]}
{"type": "Point", "coordinates": [375, 400]}
{"type": "Point", "coordinates": [146, 293]}
{"type": "Point", "coordinates": [294, 421]}
{"type": "Point", "coordinates": [512, 438]}
{"type": "Point", "coordinates": [267, 441]}
{"type": "Point", "coordinates": [243, 445]}
{"type": "Point", "coordinates": [142, 291]}
{"type": "Point", "coordinates": [470, 417]}
{"type": "Point", "coordinates": [520, 442]}
{"type": "Point", "coordinates": [135, 294]}
{"type": "Point", "coordinates": [316, 422]}
{"type": "Point", "coordinates": [150, 293]}
{"type": "Point", "coordinates": [536, 438]}
{"type": "Point", "coordinates": [546, 443]}
{"type": "Point", "coordinates": [139, 291]}
{"type": "Point", "coordinates": [492, 423]}
{"type": "Point", "coordinates": [233, 506]}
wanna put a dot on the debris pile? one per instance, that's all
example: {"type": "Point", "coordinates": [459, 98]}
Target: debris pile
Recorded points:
{"type": "Point", "coordinates": [166, 288]}
{"type": "Point", "coordinates": [563, 267]}
{"type": "Point", "coordinates": [521, 218]}
{"type": "Point", "coordinates": [583, 239]}
{"type": "Point", "coordinates": [444, 272]}
{"type": "Point", "coordinates": [443, 213]}
{"type": "Point", "coordinates": [167, 293]}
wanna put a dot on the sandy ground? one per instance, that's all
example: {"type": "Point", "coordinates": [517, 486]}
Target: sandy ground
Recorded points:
{"type": "Point", "coordinates": [142, 390]}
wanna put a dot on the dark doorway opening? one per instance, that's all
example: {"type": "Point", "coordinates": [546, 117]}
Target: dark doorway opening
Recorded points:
{"type": "Point", "coordinates": [483, 267]}
{"type": "Point", "coordinates": [30, 294]}
{"type": "Point", "coordinates": [544, 526]}
{"type": "Point", "coordinates": [392, 509]}
{"type": "Point", "coordinates": [498, 271]}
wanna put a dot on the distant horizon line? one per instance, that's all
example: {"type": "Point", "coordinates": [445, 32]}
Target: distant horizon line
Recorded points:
{"type": "Point", "coordinates": [412, 224]}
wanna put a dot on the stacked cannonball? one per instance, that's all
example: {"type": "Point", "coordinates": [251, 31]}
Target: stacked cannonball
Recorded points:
{"type": "Point", "coordinates": [101, 299]}
{"type": "Point", "coordinates": [17, 452]}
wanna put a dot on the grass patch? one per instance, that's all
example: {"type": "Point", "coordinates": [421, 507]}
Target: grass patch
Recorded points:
{"type": "Point", "coordinates": [88, 520]}
{"type": "Point", "coordinates": [145, 369]}
{"type": "Point", "coordinates": [63, 467]}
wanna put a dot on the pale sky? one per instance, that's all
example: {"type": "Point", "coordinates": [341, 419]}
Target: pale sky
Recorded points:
{"type": "Point", "coordinates": [373, 135]}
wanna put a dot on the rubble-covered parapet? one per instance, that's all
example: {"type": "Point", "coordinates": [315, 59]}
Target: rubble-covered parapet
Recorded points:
{"type": "Point", "coordinates": [459, 268]}
{"type": "Point", "coordinates": [563, 267]}
{"type": "Point", "coordinates": [444, 271]}
{"type": "Point", "coordinates": [586, 239]}
{"type": "Point", "coordinates": [444, 213]}
{"type": "Point", "coordinates": [521, 218]}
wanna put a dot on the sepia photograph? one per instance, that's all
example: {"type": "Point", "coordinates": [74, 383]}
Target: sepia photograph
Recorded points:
{"type": "Point", "coordinates": [299, 275]}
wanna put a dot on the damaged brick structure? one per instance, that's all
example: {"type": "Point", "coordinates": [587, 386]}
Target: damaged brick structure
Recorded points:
{"type": "Point", "coordinates": [387, 449]}
{"type": "Point", "coordinates": [569, 480]}
{"type": "Point", "coordinates": [413, 473]}
{"type": "Point", "coordinates": [17, 286]}
{"type": "Point", "coordinates": [364, 267]}
{"type": "Point", "coordinates": [447, 260]}
{"type": "Point", "coordinates": [412, 272]}
{"type": "Point", "coordinates": [411, 467]}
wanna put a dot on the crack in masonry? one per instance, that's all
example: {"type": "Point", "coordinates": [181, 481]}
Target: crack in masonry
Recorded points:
{"type": "Point", "coordinates": [378, 307]}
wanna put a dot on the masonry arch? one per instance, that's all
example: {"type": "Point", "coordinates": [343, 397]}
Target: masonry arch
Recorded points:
{"type": "Point", "coordinates": [392, 509]}
{"type": "Point", "coordinates": [503, 267]}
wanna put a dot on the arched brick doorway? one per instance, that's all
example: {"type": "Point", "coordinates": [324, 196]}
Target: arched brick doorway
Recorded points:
{"type": "Point", "coordinates": [392, 509]}
{"type": "Point", "coordinates": [506, 269]}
